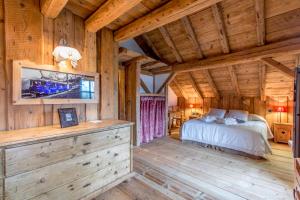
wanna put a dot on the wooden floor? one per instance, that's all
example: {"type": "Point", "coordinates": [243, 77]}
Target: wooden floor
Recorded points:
{"type": "Point", "coordinates": [168, 169]}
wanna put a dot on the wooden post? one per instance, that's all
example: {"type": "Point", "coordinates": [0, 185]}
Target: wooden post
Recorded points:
{"type": "Point", "coordinates": [108, 68]}
{"type": "Point", "coordinates": [122, 114]}
{"type": "Point", "coordinates": [132, 98]}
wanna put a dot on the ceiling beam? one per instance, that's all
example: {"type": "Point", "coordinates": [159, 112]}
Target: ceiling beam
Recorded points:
{"type": "Point", "coordinates": [144, 86]}
{"type": "Point", "coordinates": [166, 82]}
{"type": "Point", "coordinates": [211, 83]}
{"type": "Point", "coordinates": [262, 81]}
{"type": "Point", "coordinates": [221, 27]}
{"type": "Point", "coordinates": [192, 35]}
{"type": "Point", "coordinates": [169, 12]}
{"type": "Point", "coordinates": [195, 85]}
{"type": "Point", "coordinates": [147, 49]}
{"type": "Point", "coordinates": [260, 22]}
{"type": "Point", "coordinates": [52, 8]}
{"type": "Point", "coordinates": [108, 12]}
{"type": "Point", "coordinates": [273, 63]}
{"type": "Point", "coordinates": [166, 35]}
{"type": "Point", "coordinates": [234, 79]}
{"type": "Point", "coordinates": [277, 49]}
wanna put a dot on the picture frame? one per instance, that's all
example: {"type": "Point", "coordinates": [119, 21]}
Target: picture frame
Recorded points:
{"type": "Point", "coordinates": [67, 117]}
{"type": "Point", "coordinates": [42, 84]}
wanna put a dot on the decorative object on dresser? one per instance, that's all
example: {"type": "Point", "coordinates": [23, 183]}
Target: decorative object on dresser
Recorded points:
{"type": "Point", "coordinates": [67, 117]}
{"type": "Point", "coordinates": [44, 84]}
{"type": "Point", "coordinates": [72, 163]}
{"type": "Point", "coordinates": [282, 132]}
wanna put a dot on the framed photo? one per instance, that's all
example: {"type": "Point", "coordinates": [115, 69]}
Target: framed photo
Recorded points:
{"type": "Point", "coordinates": [46, 84]}
{"type": "Point", "coordinates": [67, 117]}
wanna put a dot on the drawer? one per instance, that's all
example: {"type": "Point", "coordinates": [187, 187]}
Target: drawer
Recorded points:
{"type": "Point", "coordinates": [33, 183]}
{"type": "Point", "coordinates": [80, 188]}
{"type": "Point", "coordinates": [283, 135]}
{"type": "Point", "coordinates": [26, 158]}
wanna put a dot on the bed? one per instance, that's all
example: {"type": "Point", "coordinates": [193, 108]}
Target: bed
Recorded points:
{"type": "Point", "coordinates": [250, 137]}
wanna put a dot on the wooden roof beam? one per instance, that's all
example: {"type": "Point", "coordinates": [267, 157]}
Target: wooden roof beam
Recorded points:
{"type": "Point", "coordinates": [277, 49]}
{"type": "Point", "coordinates": [169, 12]}
{"type": "Point", "coordinates": [147, 49]}
{"type": "Point", "coordinates": [166, 82]}
{"type": "Point", "coordinates": [260, 22]}
{"type": "Point", "coordinates": [144, 86]}
{"type": "Point", "coordinates": [273, 63]}
{"type": "Point", "coordinates": [195, 85]}
{"type": "Point", "coordinates": [52, 8]}
{"type": "Point", "coordinates": [192, 35]}
{"type": "Point", "coordinates": [234, 79]}
{"type": "Point", "coordinates": [221, 27]}
{"type": "Point", "coordinates": [108, 12]}
{"type": "Point", "coordinates": [262, 81]}
{"type": "Point", "coordinates": [211, 83]}
{"type": "Point", "coordinates": [168, 39]}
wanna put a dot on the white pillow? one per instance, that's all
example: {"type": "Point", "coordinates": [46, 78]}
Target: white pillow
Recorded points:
{"type": "Point", "coordinates": [218, 113]}
{"type": "Point", "coordinates": [238, 114]}
{"type": "Point", "coordinates": [254, 117]}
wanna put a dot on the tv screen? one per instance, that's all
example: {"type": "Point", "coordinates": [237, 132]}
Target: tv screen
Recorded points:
{"type": "Point", "coordinates": [38, 83]}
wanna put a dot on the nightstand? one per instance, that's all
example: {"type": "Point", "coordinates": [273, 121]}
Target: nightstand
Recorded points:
{"type": "Point", "coordinates": [282, 132]}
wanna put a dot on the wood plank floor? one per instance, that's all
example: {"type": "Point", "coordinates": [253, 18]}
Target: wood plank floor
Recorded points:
{"type": "Point", "coordinates": [168, 169]}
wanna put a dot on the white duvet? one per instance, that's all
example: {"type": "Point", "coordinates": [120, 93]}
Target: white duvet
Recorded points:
{"type": "Point", "coordinates": [250, 137]}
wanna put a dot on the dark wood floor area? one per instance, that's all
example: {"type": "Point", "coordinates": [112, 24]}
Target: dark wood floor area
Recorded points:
{"type": "Point", "coordinates": [168, 169]}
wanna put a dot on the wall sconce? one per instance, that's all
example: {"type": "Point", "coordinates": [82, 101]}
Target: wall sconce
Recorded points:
{"type": "Point", "coordinates": [63, 53]}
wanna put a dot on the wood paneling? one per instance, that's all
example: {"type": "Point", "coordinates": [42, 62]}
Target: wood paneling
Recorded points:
{"type": "Point", "coordinates": [3, 99]}
{"type": "Point", "coordinates": [108, 67]}
{"type": "Point", "coordinates": [132, 98]}
{"type": "Point", "coordinates": [31, 36]}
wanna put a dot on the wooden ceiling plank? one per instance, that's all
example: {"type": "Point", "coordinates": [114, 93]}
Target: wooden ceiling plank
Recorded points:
{"type": "Point", "coordinates": [108, 12]}
{"type": "Point", "coordinates": [211, 83]}
{"type": "Point", "coordinates": [221, 27]}
{"type": "Point", "coordinates": [182, 93]}
{"type": "Point", "coordinates": [195, 85]}
{"type": "Point", "coordinates": [192, 35]}
{"type": "Point", "coordinates": [273, 63]}
{"type": "Point", "coordinates": [234, 79]}
{"type": "Point", "coordinates": [168, 39]}
{"type": "Point", "coordinates": [148, 49]}
{"type": "Point", "coordinates": [169, 12]}
{"type": "Point", "coordinates": [262, 81]}
{"type": "Point", "coordinates": [144, 86]}
{"type": "Point", "coordinates": [277, 49]}
{"type": "Point", "coordinates": [260, 22]}
{"type": "Point", "coordinates": [166, 82]}
{"type": "Point", "coordinates": [52, 8]}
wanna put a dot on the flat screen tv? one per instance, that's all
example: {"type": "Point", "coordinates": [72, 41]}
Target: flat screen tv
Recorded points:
{"type": "Point", "coordinates": [40, 85]}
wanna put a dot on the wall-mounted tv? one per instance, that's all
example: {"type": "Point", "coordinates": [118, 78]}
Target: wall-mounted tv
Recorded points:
{"type": "Point", "coordinates": [38, 84]}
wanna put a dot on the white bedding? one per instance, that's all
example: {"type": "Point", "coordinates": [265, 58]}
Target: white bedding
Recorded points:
{"type": "Point", "coordinates": [250, 137]}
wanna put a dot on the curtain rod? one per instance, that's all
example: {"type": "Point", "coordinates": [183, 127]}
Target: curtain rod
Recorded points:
{"type": "Point", "coordinates": [152, 94]}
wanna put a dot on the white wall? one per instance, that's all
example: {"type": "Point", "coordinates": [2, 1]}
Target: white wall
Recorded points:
{"type": "Point", "coordinates": [132, 45]}
{"type": "Point", "coordinates": [160, 79]}
{"type": "Point", "coordinates": [148, 81]}
{"type": "Point", "coordinates": [172, 98]}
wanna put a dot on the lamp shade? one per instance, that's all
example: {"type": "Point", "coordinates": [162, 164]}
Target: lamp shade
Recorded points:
{"type": "Point", "coordinates": [62, 53]}
{"type": "Point", "coordinates": [280, 109]}
{"type": "Point", "coordinates": [191, 105]}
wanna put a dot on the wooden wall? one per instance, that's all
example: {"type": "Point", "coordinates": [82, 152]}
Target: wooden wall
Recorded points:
{"type": "Point", "coordinates": [31, 36]}
{"type": "Point", "coordinates": [251, 104]}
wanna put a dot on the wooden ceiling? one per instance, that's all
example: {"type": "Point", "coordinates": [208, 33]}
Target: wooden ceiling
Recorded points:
{"type": "Point", "coordinates": [213, 33]}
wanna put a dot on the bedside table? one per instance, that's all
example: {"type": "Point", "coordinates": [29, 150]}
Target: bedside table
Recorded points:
{"type": "Point", "coordinates": [282, 132]}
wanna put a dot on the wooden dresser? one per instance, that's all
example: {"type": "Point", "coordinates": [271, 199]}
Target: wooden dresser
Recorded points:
{"type": "Point", "coordinates": [72, 163]}
{"type": "Point", "coordinates": [282, 132]}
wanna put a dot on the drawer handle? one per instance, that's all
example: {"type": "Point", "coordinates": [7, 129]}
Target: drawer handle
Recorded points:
{"type": "Point", "coordinates": [116, 172]}
{"type": "Point", "coordinates": [86, 185]}
{"type": "Point", "coordinates": [116, 137]}
{"type": "Point", "coordinates": [116, 154]}
{"type": "Point", "coordinates": [87, 143]}
{"type": "Point", "coordinates": [283, 132]}
{"type": "Point", "coordinates": [87, 163]}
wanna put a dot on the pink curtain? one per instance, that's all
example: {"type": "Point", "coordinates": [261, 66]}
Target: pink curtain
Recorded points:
{"type": "Point", "coordinates": [152, 118]}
